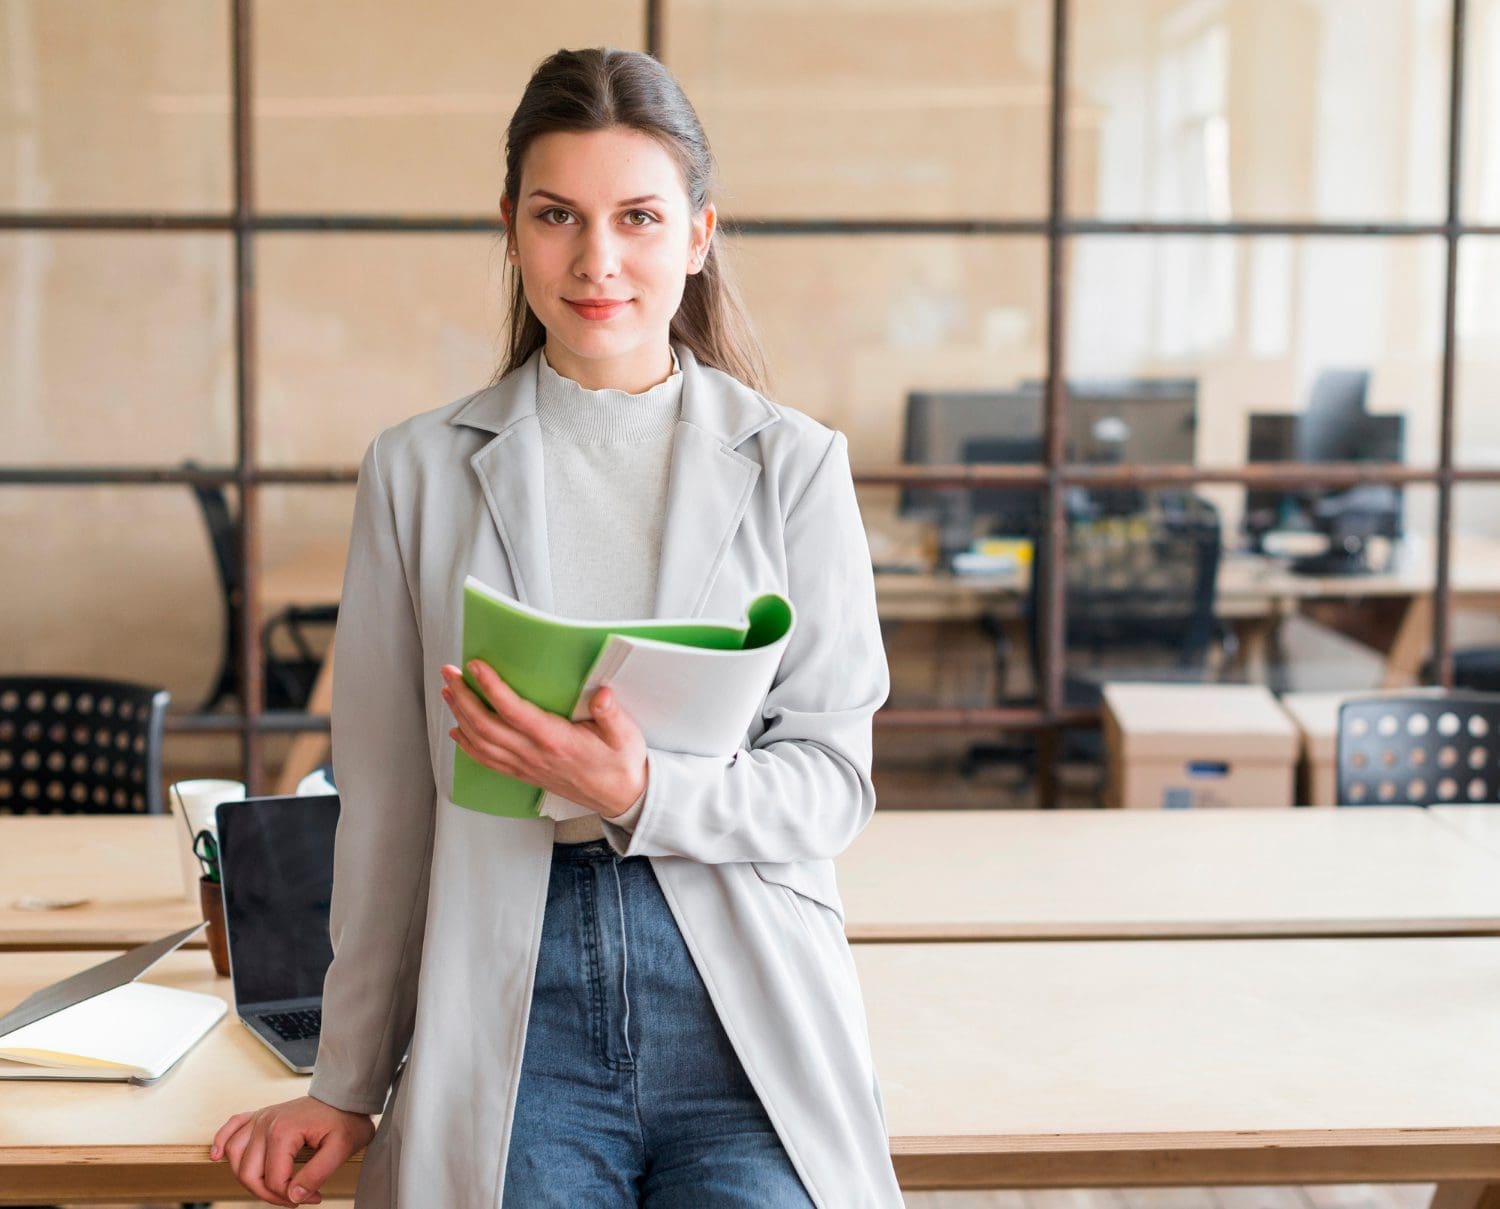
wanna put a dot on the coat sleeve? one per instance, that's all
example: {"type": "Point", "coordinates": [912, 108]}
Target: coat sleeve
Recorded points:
{"type": "Point", "coordinates": [802, 791]}
{"type": "Point", "coordinates": [387, 801]}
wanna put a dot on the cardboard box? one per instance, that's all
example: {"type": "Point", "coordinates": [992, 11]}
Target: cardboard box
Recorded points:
{"type": "Point", "coordinates": [1316, 716]}
{"type": "Point", "coordinates": [1176, 746]}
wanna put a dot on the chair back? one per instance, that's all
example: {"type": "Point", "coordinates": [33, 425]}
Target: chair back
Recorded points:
{"type": "Point", "coordinates": [1437, 750]}
{"type": "Point", "coordinates": [73, 745]}
{"type": "Point", "coordinates": [1141, 583]}
{"type": "Point", "coordinates": [223, 533]}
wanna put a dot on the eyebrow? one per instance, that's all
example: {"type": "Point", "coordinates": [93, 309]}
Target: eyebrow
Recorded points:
{"type": "Point", "coordinates": [629, 201]}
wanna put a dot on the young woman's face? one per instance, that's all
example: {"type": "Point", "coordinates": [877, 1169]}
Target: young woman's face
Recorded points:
{"type": "Point", "coordinates": [605, 239]}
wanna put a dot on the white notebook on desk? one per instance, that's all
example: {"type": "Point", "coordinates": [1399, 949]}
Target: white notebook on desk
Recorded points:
{"type": "Point", "coordinates": [102, 1024]}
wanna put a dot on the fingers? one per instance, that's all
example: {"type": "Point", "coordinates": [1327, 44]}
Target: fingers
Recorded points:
{"type": "Point", "coordinates": [245, 1151]}
{"type": "Point", "coordinates": [282, 1145]}
{"type": "Point", "coordinates": [251, 1172]}
{"type": "Point", "coordinates": [330, 1156]}
{"type": "Point", "coordinates": [227, 1131]}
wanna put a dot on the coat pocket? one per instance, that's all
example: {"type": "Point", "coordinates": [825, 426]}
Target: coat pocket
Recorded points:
{"type": "Point", "coordinates": [810, 879]}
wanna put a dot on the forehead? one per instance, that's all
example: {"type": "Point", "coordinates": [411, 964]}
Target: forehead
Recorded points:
{"type": "Point", "coordinates": [601, 167]}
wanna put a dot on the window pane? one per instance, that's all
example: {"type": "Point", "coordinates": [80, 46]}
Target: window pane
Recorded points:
{"type": "Point", "coordinates": [116, 582]}
{"type": "Point", "coordinates": [361, 331]}
{"type": "Point", "coordinates": [856, 110]}
{"type": "Point", "coordinates": [405, 112]}
{"type": "Point", "coordinates": [1481, 183]}
{"type": "Point", "coordinates": [1477, 366]}
{"type": "Point", "coordinates": [853, 324]}
{"type": "Point", "coordinates": [1349, 329]}
{"type": "Point", "coordinates": [115, 106]}
{"type": "Point", "coordinates": [1260, 109]}
{"type": "Point", "coordinates": [119, 348]}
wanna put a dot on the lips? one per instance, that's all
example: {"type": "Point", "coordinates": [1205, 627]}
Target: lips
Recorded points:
{"type": "Point", "coordinates": [601, 309]}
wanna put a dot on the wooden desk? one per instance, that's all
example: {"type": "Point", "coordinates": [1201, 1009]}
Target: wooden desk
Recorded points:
{"type": "Point", "coordinates": [128, 868]}
{"type": "Point", "coordinates": [939, 875]}
{"type": "Point", "coordinates": [76, 1141]}
{"type": "Point", "coordinates": [1002, 1065]}
{"type": "Point", "coordinates": [1184, 1063]}
{"type": "Point", "coordinates": [1027, 874]}
{"type": "Point", "coordinates": [1478, 824]}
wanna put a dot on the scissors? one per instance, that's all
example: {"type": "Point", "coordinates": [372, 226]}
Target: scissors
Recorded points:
{"type": "Point", "coordinates": [206, 849]}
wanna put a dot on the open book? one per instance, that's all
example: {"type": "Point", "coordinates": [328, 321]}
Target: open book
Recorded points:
{"type": "Point", "coordinates": [102, 1024]}
{"type": "Point", "coordinates": [692, 686]}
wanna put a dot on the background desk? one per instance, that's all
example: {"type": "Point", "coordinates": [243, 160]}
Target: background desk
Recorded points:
{"type": "Point", "coordinates": [1002, 1065]}
{"type": "Point", "coordinates": [1011, 875]}
{"type": "Point", "coordinates": [128, 869]}
{"type": "Point", "coordinates": [1255, 594]}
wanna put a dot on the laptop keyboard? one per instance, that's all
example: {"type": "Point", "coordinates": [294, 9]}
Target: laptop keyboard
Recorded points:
{"type": "Point", "coordinates": [296, 1026]}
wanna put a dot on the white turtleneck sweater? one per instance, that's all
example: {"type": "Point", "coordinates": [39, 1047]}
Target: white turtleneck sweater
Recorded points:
{"type": "Point", "coordinates": [607, 456]}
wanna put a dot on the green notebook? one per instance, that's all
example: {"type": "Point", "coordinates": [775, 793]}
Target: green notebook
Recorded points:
{"type": "Point", "coordinates": [546, 659]}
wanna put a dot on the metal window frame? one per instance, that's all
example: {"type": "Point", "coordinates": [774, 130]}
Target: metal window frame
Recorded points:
{"type": "Point", "coordinates": [1051, 476]}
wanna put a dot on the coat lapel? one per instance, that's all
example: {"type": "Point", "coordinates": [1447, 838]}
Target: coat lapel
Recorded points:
{"type": "Point", "coordinates": [710, 483]}
{"type": "Point", "coordinates": [709, 486]}
{"type": "Point", "coordinates": [509, 469]}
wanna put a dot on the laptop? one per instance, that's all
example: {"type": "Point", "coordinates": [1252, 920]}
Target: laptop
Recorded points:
{"type": "Point", "coordinates": [276, 872]}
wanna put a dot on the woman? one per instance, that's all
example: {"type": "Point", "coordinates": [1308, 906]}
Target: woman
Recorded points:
{"type": "Point", "coordinates": [587, 1028]}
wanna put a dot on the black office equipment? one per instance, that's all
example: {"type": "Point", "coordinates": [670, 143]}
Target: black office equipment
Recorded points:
{"type": "Point", "coordinates": [1334, 428]}
{"type": "Point", "coordinates": [276, 865]}
{"type": "Point", "coordinates": [1110, 421]}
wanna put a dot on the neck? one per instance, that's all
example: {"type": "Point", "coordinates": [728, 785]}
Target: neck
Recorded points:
{"type": "Point", "coordinates": [634, 373]}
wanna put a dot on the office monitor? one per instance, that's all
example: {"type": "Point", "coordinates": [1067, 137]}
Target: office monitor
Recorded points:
{"type": "Point", "coordinates": [1110, 421]}
{"type": "Point", "coordinates": [1346, 516]}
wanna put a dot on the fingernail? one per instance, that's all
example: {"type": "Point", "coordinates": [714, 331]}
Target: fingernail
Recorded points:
{"type": "Point", "coordinates": [298, 1192]}
{"type": "Point", "coordinates": [474, 667]}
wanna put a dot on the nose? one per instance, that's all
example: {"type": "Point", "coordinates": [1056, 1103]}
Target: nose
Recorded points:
{"type": "Point", "coordinates": [598, 256]}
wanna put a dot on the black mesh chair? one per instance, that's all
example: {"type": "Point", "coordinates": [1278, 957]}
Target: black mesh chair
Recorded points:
{"type": "Point", "coordinates": [71, 745]}
{"type": "Point", "coordinates": [289, 656]}
{"type": "Point", "coordinates": [1139, 598]}
{"type": "Point", "coordinates": [1419, 751]}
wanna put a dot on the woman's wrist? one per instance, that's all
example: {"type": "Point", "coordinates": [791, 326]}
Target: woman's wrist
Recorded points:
{"type": "Point", "coordinates": [640, 781]}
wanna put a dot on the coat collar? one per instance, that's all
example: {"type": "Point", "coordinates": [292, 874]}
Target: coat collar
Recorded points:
{"type": "Point", "coordinates": [708, 491]}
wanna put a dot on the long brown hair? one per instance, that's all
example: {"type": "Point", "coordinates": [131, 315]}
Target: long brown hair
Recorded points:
{"type": "Point", "coordinates": [599, 88]}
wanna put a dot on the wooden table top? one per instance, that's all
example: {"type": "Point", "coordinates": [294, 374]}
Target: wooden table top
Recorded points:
{"type": "Point", "coordinates": [128, 869]}
{"type": "Point", "coordinates": [938, 875]}
{"type": "Point", "coordinates": [1478, 824]}
{"type": "Point", "coordinates": [1183, 1062]}
{"type": "Point", "coordinates": [1033, 874]}
{"type": "Point", "coordinates": [1001, 1065]}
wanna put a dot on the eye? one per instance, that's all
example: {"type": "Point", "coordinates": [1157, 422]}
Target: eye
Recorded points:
{"type": "Point", "coordinates": [647, 215]}
{"type": "Point", "coordinates": [546, 215]}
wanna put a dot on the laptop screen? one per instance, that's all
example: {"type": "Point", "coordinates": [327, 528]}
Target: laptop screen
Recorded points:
{"type": "Point", "coordinates": [276, 864]}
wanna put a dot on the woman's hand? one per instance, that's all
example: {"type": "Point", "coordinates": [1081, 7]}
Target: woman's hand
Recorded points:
{"type": "Point", "coordinates": [261, 1147]}
{"type": "Point", "coordinates": [600, 763]}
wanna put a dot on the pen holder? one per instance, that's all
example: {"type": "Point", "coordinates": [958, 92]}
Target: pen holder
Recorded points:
{"type": "Point", "coordinates": [212, 899]}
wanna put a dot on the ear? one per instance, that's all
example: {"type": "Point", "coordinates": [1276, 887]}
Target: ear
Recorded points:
{"type": "Point", "coordinates": [704, 224]}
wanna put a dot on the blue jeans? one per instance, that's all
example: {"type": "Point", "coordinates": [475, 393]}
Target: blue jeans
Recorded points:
{"type": "Point", "coordinates": [631, 1094]}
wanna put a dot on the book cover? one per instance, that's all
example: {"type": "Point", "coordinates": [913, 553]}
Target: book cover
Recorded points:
{"type": "Point", "coordinates": [548, 659]}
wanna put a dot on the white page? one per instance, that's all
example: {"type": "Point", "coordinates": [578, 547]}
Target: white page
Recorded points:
{"type": "Point", "coordinates": [138, 1028]}
{"type": "Point", "coordinates": [685, 699]}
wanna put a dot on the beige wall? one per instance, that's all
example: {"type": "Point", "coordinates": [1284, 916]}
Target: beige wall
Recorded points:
{"type": "Point", "coordinates": [118, 347]}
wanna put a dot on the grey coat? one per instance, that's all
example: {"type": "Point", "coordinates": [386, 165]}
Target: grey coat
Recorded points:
{"type": "Point", "coordinates": [437, 910]}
